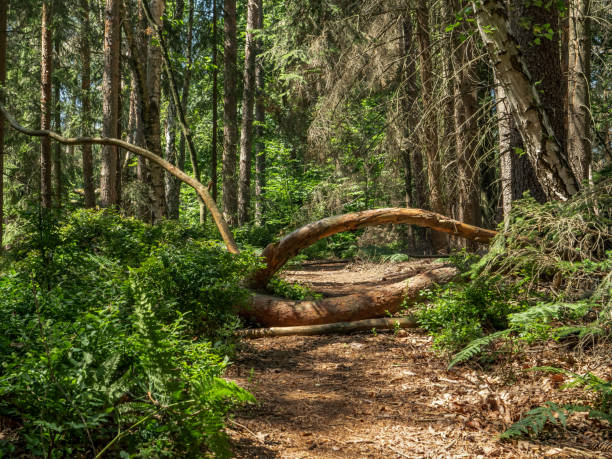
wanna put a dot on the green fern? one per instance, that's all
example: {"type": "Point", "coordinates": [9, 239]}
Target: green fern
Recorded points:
{"type": "Point", "coordinates": [535, 420]}
{"type": "Point", "coordinates": [545, 312]}
{"type": "Point", "coordinates": [476, 347]}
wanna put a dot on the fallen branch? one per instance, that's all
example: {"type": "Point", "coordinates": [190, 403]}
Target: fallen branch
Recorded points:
{"type": "Point", "coordinates": [277, 254]}
{"type": "Point", "coordinates": [200, 189]}
{"type": "Point", "coordinates": [337, 327]}
{"type": "Point", "coordinates": [272, 311]}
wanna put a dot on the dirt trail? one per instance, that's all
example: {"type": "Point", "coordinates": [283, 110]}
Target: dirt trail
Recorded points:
{"type": "Point", "coordinates": [387, 395]}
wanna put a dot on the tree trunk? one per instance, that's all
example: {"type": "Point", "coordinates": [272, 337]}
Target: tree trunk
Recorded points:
{"type": "Point", "coordinates": [215, 105]}
{"type": "Point", "coordinates": [230, 117]}
{"type": "Point", "coordinates": [260, 121]}
{"type": "Point", "coordinates": [430, 136]}
{"type": "Point", "coordinates": [88, 186]}
{"type": "Point", "coordinates": [465, 81]}
{"type": "Point", "coordinates": [3, 23]}
{"type": "Point", "coordinates": [579, 76]}
{"type": "Point", "coordinates": [152, 120]}
{"type": "Point", "coordinates": [542, 146]}
{"type": "Point", "coordinates": [379, 301]}
{"type": "Point", "coordinates": [109, 195]}
{"type": "Point", "coordinates": [172, 184]}
{"type": "Point", "coordinates": [45, 103]}
{"type": "Point", "coordinates": [277, 254]}
{"type": "Point", "coordinates": [57, 150]}
{"type": "Point", "coordinates": [248, 100]}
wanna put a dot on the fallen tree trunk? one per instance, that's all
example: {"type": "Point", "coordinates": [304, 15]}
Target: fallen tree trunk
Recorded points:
{"type": "Point", "coordinates": [270, 311]}
{"type": "Point", "coordinates": [278, 253]}
{"type": "Point", "coordinates": [336, 327]}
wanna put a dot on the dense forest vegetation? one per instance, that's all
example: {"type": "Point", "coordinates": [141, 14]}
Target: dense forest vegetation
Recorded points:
{"type": "Point", "coordinates": [161, 161]}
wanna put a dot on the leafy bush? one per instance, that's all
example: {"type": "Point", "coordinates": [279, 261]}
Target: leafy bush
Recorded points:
{"type": "Point", "coordinates": [459, 313]}
{"type": "Point", "coordinates": [97, 316]}
{"type": "Point", "coordinates": [292, 291]}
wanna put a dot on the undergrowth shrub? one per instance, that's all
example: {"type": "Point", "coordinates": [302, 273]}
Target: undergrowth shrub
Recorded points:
{"type": "Point", "coordinates": [114, 338]}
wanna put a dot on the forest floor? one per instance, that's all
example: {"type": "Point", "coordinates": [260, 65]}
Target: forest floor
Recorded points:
{"type": "Point", "coordinates": [388, 394]}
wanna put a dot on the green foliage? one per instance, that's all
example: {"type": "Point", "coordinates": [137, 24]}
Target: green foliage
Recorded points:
{"type": "Point", "coordinates": [292, 291]}
{"type": "Point", "coordinates": [97, 316]}
{"type": "Point", "coordinates": [460, 313]}
{"type": "Point", "coordinates": [476, 347]}
{"type": "Point", "coordinates": [535, 420]}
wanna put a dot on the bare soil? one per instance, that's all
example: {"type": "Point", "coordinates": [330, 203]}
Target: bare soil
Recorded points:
{"type": "Point", "coordinates": [385, 394]}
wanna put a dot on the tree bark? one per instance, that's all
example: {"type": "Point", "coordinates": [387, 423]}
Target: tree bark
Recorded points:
{"type": "Point", "coordinates": [542, 146]}
{"type": "Point", "coordinates": [45, 103]}
{"type": "Point", "coordinates": [336, 327]}
{"type": "Point", "coordinates": [109, 193]}
{"type": "Point", "coordinates": [172, 184]}
{"type": "Point", "coordinates": [379, 301]}
{"type": "Point", "coordinates": [260, 121]}
{"type": "Point", "coordinates": [277, 254]}
{"type": "Point", "coordinates": [215, 105]}
{"type": "Point", "coordinates": [230, 117]}
{"type": "Point", "coordinates": [88, 187]}
{"type": "Point", "coordinates": [3, 26]}
{"type": "Point", "coordinates": [430, 136]}
{"type": "Point", "coordinates": [152, 121]}
{"type": "Point", "coordinates": [57, 160]}
{"type": "Point", "coordinates": [579, 76]}
{"type": "Point", "coordinates": [248, 100]}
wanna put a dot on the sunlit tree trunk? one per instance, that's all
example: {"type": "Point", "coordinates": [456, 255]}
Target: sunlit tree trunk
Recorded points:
{"type": "Point", "coordinates": [45, 103]}
{"type": "Point", "coordinates": [430, 135]}
{"type": "Point", "coordinates": [57, 148]}
{"type": "Point", "coordinates": [109, 193]}
{"type": "Point", "coordinates": [579, 135]}
{"type": "Point", "coordinates": [215, 105]}
{"type": "Point", "coordinates": [248, 100]}
{"type": "Point", "coordinates": [3, 22]}
{"type": "Point", "coordinates": [230, 117]}
{"type": "Point", "coordinates": [88, 186]}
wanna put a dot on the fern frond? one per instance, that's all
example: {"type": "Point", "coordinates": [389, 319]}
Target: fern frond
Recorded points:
{"type": "Point", "coordinates": [535, 420]}
{"type": "Point", "coordinates": [476, 346]}
{"type": "Point", "coordinates": [545, 312]}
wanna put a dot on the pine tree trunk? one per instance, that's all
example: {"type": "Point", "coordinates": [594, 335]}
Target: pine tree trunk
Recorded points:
{"type": "Point", "coordinates": [152, 120]}
{"type": "Point", "coordinates": [45, 103]}
{"type": "Point", "coordinates": [248, 100]}
{"type": "Point", "coordinates": [110, 104]}
{"type": "Point", "coordinates": [579, 76]}
{"type": "Point", "coordinates": [3, 25]}
{"type": "Point", "coordinates": [215, 105]}
{"type": "Point", "coordinates": [88, 186]}
{"type": "Point", "coordinates": [260, 120]}
{"type": "Point", "coordinates": [430, 135]}
{"type": "Point", "coordinates": [230, 116]}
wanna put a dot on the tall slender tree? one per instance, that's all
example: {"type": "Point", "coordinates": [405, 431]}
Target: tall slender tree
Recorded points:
{"type": "Point", "coordinates": [215, 103]}
{"type": "Point", "coordinates": [46, 102]}
{"type": "Point", "coordinates": [230, 115]}
{"type": "Point", "coordinates": [88, 187]}
{"type": "Point", "coordinates": [3, 25]}
{"type": "Point", "coordinates": [260, 120]}
{"type": "Point", "coordinates": [248, 100]}
{"type": "Point", "coordinates": [109, 192]}
{"type": "Point", "coordinates": [57, 121]}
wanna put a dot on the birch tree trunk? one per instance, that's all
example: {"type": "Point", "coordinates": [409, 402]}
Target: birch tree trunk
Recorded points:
{"type": "Point", "coordinates": [230, 116]}
{"type": "Point", "coordinates": [541, 145]}
{"type": "Point", "coordinates": [45, 103]}
{"type": "Point", "coordinates": [248, 99]}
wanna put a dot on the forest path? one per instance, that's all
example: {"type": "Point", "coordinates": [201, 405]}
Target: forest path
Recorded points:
{"type": "Point", "coordinates": [386, 395]}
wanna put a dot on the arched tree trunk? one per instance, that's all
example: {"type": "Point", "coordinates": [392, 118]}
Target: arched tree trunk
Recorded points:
{"type": "Point", "coordinates": [278, 253]}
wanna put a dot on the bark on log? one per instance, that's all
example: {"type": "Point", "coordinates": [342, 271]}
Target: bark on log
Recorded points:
{"type": "Point", "coordinates": [277, 254]}
{"type": "Point", "coordinates": [271, 311]}
{"type": "Point", "coordinates": [337, 327]}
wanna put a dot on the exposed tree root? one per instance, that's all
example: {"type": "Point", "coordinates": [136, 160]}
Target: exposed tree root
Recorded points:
{"type": "Point", "coordinates": [337, 327]}
{"type": "Point", "coordinates": [277, 254]}
{"type": "Point", "coordinates": [271, 311]}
